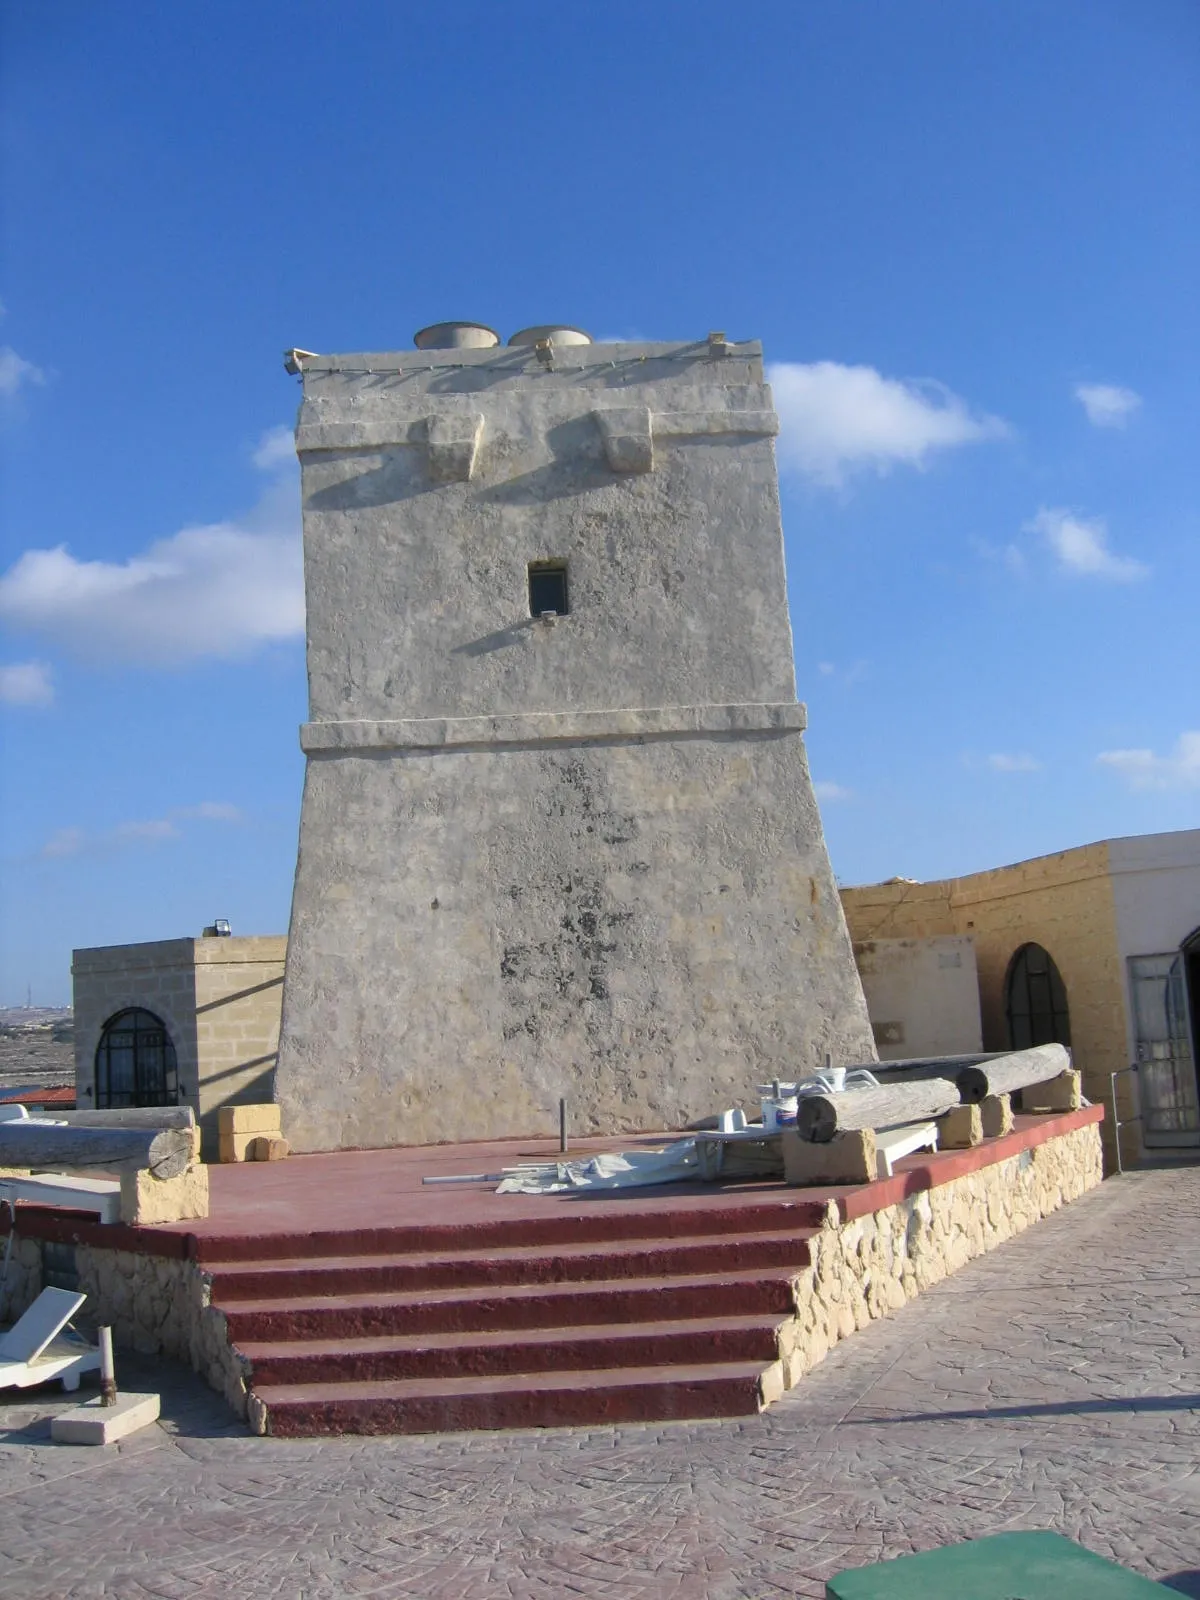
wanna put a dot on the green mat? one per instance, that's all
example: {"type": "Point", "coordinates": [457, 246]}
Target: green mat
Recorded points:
{"type": "Point", "coordinates": [1007, 1566]}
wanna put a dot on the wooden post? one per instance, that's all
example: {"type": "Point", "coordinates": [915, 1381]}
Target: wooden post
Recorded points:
{"type": "Point", "coordinates": [165, 1152]}
{"type": "Point", "coordinates": [820, 1116]}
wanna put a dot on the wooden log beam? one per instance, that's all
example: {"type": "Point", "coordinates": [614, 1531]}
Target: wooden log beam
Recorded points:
{"type": "Point", "coordinates": [1006, 1074]}
{"type": "Point", "coordinates": [165, 1152]}
{"type": "Point", "coordinates": [820, 1116]}
{"type": "Point", "coordinates": [914, 1067]}
{"type": "Point", "coordinates": [125, 1117]}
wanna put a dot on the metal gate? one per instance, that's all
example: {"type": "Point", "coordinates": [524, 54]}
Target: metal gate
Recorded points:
{"type": "Point", "coordinates": [1170, 1106]}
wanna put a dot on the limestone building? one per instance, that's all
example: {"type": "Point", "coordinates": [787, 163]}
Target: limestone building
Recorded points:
{"type": "Point", "coordinates": [178, 1022]}
{"type": "Point", "coordinates": [558, 836]}
{"type": "Point", "coordinates": [922, 995]}
{"type": "Point", "coordinates": [1096, 947]}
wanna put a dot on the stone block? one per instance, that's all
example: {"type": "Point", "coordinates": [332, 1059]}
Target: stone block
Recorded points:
{"type": "Point", "coordinates": [93, 1423]}
{"type": "Point", "coordinates": [1064, 1093]}
{"type": "Point", "coordinates": [249, 1119]}
{"type": "Point", "coordinates": [997, 1115]}
{"type": "Point", "coordinates": [960, 1129]}
{"type": "Point", "coordinates": [233, 1146]}
{"type": "Point", "coordinates": [146, 1199]}
{"type": "Point", "coordinates": [847, 1158]}
{"type": "Point", "coordinates": [265, 1148]}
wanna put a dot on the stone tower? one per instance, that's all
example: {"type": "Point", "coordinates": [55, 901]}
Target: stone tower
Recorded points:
{"type": "Point", "coordinates": [558, 833]}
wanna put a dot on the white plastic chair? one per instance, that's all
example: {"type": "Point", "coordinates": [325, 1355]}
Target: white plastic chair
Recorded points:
{"type": "Point", "coordinates": [35, 1349]}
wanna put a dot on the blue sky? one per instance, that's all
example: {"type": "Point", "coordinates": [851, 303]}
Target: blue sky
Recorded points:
{"type": "Point", "coordinates": [966, 233]}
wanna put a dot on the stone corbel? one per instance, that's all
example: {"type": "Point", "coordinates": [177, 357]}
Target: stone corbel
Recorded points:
{"type": "Point", "coordinates": [628, 439]}
{"type": "Point", "coordinates": [452, 445]}
{"type": "Point", "coordinates": [629, 432]}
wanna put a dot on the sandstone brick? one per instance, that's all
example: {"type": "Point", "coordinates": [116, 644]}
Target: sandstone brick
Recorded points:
{"type": "Point", "coordinates": [146, 1199]}
{"type": "Point", "coordinates": [265, 1148]}
{"type": "Point", "coordinates": [263, 1118]}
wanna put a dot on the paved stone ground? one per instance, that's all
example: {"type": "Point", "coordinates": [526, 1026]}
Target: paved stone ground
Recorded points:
{"type": "Point", "coordinates": [1051, 1384]}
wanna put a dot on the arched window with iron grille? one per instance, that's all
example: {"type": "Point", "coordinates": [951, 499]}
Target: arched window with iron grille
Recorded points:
{"type": "Point", "coordinates": [135, 1062]}
{"type": "Point", "coordinates": [1035, 1000]}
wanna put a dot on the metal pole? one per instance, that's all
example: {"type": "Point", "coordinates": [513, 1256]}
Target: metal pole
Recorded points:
{"type": "Point", "coordinates": [1116, 1121]}
{"type": "Point", "coordinates": [108, 1375]}
{"type": "Point", "coordinates": [562, 1126]}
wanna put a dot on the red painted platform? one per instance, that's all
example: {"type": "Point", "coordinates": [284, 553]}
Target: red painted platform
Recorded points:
{"type": "Point", "coordinates": [366, 1301]}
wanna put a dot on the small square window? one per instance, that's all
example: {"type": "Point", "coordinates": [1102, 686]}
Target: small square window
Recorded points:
{"type": "Point", "coordinates": [548, 588]}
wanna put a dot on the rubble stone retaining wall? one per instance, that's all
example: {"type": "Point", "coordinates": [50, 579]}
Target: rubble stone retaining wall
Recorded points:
{"type": "Point", "coordinates": [872, 1265]}
{"type": "Point", "coordinates": [157, 1303]}
{"type": "Point", "coordinates": [21, 1280]}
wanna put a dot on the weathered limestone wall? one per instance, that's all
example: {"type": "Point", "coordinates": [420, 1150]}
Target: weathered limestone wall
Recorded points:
{"type": "Point", "coordinates": [646, 928]}
{"type": "Point", "coordinates": [872, 1266]}
{"type": "Point", "coordinates": [536, 860]}
{"type": "Point", "coordinates": [1064, 903]}
{"type": "Point", "coordinates": [922, 995]}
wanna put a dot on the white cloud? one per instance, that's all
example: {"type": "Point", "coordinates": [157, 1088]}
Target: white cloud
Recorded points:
{"type": "Point", "coordinates": [221, 590]}
{"type": "Point", "coordinates": [151, 830]}
{"type": "Point", "coordinates": [276, 448]}
{"type": "Point", "coordinates": [849, 676]}
{"type": "Point", "coordinates": [832, 792]}
{"type": "Point", "coordinates": [211, 811]}
{"type": "Point", "coordinates": [26, 683]}
{"type": "Point", "coordinates": [66, 842]}
{"type": "Point", "coordinates": [834, 419]}
{"type": "Point", "coordinates": [1082, 546]}
{"type": "Point", "coordinates": [1144, 770]}
{"type": "Point", "coordinates": [1015, 763]}
{"type": "Point", "coordinates": [1107, 406]}
{"type": "Point", "coordinates": [1008, 555]}
{"type": "Point", "coordinates": [16, 373]}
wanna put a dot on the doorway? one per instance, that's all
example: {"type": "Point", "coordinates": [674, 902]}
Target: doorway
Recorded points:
{"type": "Point", "coordinates": [1165, 990]}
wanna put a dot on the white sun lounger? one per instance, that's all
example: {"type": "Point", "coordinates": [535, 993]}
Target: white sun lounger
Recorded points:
{"type": "Point", "coordinates": [36, 1349]}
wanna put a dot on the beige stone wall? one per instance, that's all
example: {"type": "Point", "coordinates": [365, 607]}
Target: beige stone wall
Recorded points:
{"type": "Point", "coordinates": [872, 1266]}
{"type": "Point", "coordinates": [239, 990]}
{"type": "Point", "coordinates": [219, 999]}
{"type": "Point", "coordinates": [922, 995]}
{"type": "Point", "coordinates": [1063, 902]}
{"type": "Point", "coordinates": [159, 977]}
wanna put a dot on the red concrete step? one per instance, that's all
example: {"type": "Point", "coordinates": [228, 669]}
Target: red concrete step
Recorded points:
{"type": "Point", "coordinates": [522, 1306]}
{"type": "Point", "coordinates": [462, 1355]}
{"type": "Point", "coordinates": [578, 1223]}
{"type": "Point", "coordinates": [273, 1279]}
{"type": "Point", "coordinates": [427, 1405]}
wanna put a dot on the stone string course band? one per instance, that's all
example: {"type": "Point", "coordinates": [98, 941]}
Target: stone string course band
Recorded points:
{"type": "Point", "coordinates": [564, 727]}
